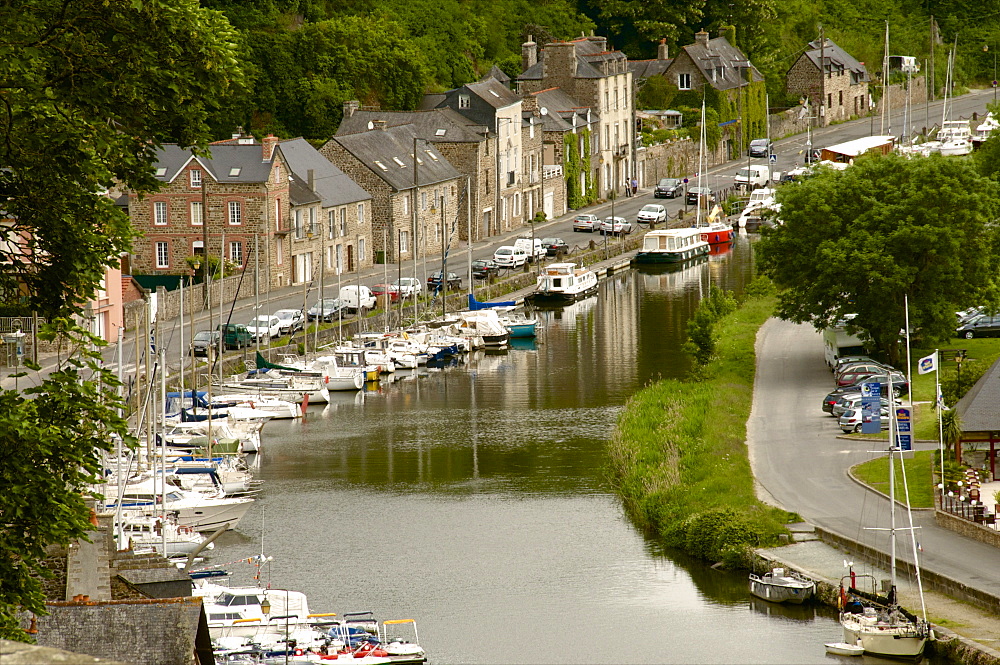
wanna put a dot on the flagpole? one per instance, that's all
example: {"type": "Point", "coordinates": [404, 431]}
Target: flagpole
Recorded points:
{"type": "Point", "coordinates": [939, 404]}
{"type": "Point", "coordinates": [909, 369]}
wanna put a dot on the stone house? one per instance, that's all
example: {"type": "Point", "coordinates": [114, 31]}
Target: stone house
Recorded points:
{"type": "Point", "coordinates": [415, 190]}
{"type": "Point", "coordinates": [244, 197]}
{"type": "Point", "coordinates": [597, 78]}
{"type": "Point", "coordinates": [838, 89]}
{"type": "Point", "coordinates": [468, 146]}
{"type": "Point", "coordinates": [561, 116]}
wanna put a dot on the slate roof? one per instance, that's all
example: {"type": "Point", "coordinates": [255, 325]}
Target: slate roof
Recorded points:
{"type": "Point", "coordinates": [332, 186]}
{"type": "Point", "coordinates": [561, 108]}
{"type": "Point", "coordinates": [837, 59]}
{"type": "Point", "coordinates": [226, 163]}
{"type": "Point", "coordinates": [644, 69]}
{"type": "Point", "coordinates": [393, 148]}
{"type": "Point", "coordinates": [493, 92]}
{"type": "Point", "coordinates": [498, 74]}
{"type": "Point", "coordinates": [978, 408]}
{"type": "Point", "coordinates": [719, 52]}
{"type": "Point", "coordinates": [440, 124]}
{"type": "Point", "coordinates": [587, 51]}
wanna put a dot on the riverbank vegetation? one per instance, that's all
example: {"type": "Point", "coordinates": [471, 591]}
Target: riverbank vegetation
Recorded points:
{"type": "Point", "coordinates": [678, 457]}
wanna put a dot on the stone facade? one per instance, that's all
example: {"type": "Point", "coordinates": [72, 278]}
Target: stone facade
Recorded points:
{"type": "Point", "coordinates": [841, 93]}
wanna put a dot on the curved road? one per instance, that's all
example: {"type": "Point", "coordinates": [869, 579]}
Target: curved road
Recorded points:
{"type": "Point", "coordinates": [801, 465]}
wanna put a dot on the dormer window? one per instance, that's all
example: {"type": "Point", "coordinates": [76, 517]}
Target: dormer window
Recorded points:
{"type": "Point", "coordinates": [720, 71]}
{"type": "Point", "coordinates": [463, 101]}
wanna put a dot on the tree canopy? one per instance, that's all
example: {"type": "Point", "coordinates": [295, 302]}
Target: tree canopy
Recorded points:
{"type": "Point", "coordinates": [862, 239]}
{"type": "Point", "coordinates": [88, 90]}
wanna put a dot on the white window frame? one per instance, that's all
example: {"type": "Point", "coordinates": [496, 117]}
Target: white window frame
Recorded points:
{"type": "Point", "coordinates": [464, 102]}
{"type": "Point", "coordinates": [362, 246]}
{"type": "Point", "coordinates": [343, 222]}
{"type": "Point", "coordinates": [331, 222]}
{"type": "Point", "coordinates": [195, 178]}
{"type": "Point", "coordinates": [236, 252]}
{"type": "Point", "coordinates": [312, 220]}
{"type": "Point", "coordinates": [279, 252]}
{"type": "Point", "coordinates": [683, 81]}
{"type": "Point", "coordinates": [197, 218]}
{"type": "Point", "coordinates": [299, 228]}
{"type": "Point", "coordinates": [235, 213]}
{"type": "Point", "coordinates": [404, 241]}
{"type": "Point", "coordinates": [161, 249]}
{"type": "Point", "coordinates": [160, 213]}
{"type": "Point", "coordinates": [361, 213]}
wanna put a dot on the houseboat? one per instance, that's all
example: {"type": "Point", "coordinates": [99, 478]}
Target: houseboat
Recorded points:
{"type": "Point", "coordinates": [564, 282]}
{"type": "Point", "coordinates": [672, 246]}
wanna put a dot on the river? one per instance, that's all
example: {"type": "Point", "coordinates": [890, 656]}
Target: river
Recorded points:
{"type": "Point", "coordinates": [473, 499]}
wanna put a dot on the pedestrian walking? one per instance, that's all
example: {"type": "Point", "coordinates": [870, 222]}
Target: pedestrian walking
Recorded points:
{"type": "Point", "coordinates": [628, 188]}
{"type": "Point", "coordinates": [635, 186]}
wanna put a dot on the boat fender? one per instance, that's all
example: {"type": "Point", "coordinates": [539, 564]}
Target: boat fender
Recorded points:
{"type": "Point", "coordinates": [252, 405]}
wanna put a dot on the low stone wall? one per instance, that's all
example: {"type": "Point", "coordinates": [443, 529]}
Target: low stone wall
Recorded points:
{"type": "Point", "coordinates": [979, 532]}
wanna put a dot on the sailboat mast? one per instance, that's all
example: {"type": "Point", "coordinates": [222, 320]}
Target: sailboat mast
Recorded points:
{"type": "Point", "coordinates": [892, 493]}
{"type": "Point", "coordinates": [701, 164]}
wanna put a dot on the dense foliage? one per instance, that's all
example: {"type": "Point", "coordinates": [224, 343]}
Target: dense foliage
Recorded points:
{"type": "Point", "coordinates": [88, 89]}
{"type": "Point", "coordinates": [859, 240]}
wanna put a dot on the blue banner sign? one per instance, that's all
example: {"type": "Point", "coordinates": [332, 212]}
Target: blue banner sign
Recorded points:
{"type": "Point", "coordinates": [903, 437]}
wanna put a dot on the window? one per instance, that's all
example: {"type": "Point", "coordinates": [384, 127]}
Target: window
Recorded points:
{"type": "Point", "coordinates": [607, 100]}
{"type": "Point", "coordinates": [463, 101]}
{"type": "Point", "coordinates": [343, 222]}
{"type": "Point", "coordinates": [841, 93]}
{"type": "Point", "coordinates": [198, 248]}
{"type": "Point", "coordinates": [234, 172]}
{"type": "Point", "coordinates": [361, 249]}
{"type": "Point", "coordinates": [299, 231]}
{"type": "Point", "coordinates": [404, 241]}
{"type": "Point", "coordinates": [331, 223]}
{"type": "Point", "coordinates": [312, 221]}
{"type": "Point", "coordinates": [361, 213]}
{"type": "Point", "coordinates": [683, 81]}
{"type": "Point", "coordinates": [160, 213]}
{"type": "Point", "coordinates": [829, 99]}
{"type": "Point", "coordinates": [196, 177]}
{"type": "Point", "coordinates": [423, 200]}
{"type": "Point", "coordinates": [162, 255]}
{"type": "Point", "coordinates": [277, 173]}
{"type": "Point", "coordinates": [235, 212]}
{"type": "Point", "coordinates": [277, 214]}
{"type": "Point", "coordinates": [197, 219]}
{"type": "Point", "coordinates": [406, 204]}
{"type": "Point", "coordinates": [236, 252]}
{"type": "Point", "coordinates": [279, 251]}
{"type": "Point", "coordinates": [340, 258]}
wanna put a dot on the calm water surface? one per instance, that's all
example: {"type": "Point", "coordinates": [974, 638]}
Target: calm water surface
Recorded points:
{"type": "Point", "coordinates": [473, 500]}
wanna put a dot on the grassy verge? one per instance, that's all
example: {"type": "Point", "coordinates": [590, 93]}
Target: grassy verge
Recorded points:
{"type": "Point", "coordinates": [875, 474]}
{"type": "Point", "coordinates": [678, 456]}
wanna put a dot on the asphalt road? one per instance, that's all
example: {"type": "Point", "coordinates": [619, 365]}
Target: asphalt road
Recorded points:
{"type": "Point", "coordinates": [801, 464]}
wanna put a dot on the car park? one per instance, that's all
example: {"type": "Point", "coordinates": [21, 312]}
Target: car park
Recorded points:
{"type": "Point", "coordinates": [982, 325]}
{"type": "Point", "coordinates": [204, 341]}
{"type": "Point", "coordinates": [388, 290]}
{"type": "Point", "coordinates": [703, 194]}
{"type": "Point", "coordinates": [585, 222]}
{"type": "Point", "coordinates": [326, 309]}
{"type": "Point", "coordinates": [508, 256]}
{"type": "Point", "coordinates": [290, 320]}
{"type": "Point", "coordinates": [616, 226]}
{"type": "Point", "coordinates": [235, 335]}
{"type": "Point", "coordinates": [264, 327]}
{"type": "Point", "coordinates": [555, 246]}
{"type": "Point", "coordinates": [484, 268]}
{"type": "Point", "coordinates": [651, 214]}
{"type": "Point", "coordinates": [760, 148]}
{"type": "Point", "coordinates": [851, 421]}
{"type": "Point", "coordinates": [454, 282]}
{"type": "Point", "coordinates": [408, 286]}
{"type": "Point", "coordinates": [669, 188]}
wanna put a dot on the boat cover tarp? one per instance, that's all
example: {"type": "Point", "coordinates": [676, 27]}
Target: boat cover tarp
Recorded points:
{"type": "Point", "coordinates": [476, 305]}
{"type": "Point", "coordinates": [264, 363]}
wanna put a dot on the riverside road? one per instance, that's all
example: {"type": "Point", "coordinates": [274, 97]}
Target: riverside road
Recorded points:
{"type": "Point", "coordinates": [801, 464]}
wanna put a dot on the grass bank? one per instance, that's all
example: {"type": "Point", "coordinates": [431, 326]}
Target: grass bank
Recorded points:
{"type": "Point", "coordinates": [678, 457]}
{"type": "Point", "coordinates": [919, 476]}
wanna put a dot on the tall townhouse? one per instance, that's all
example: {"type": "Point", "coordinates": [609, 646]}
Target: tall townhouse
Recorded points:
{"type": "Point", "coordinates": [415, 190]}
{"type": "Point", "coordinates": [564, 119]}
{"type": "Point", "coordinates": [835, 83]}
{"type": "Point", "coordinates": [598, 78]}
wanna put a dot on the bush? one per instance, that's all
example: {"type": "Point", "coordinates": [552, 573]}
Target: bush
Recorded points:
{"type": "Point", "coordinates": [716, 533]}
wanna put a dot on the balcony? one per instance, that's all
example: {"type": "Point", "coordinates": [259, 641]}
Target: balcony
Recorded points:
{"type": "Point", "coordinates": [621, 151]}
{"type": "Point", "coordinates": [552, 171]}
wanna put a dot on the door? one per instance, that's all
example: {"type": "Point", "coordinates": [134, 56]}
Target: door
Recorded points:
{"type": "Point", "coordinates": [350, 258]}
{"type": "Point", "coordinates": [548, 205]}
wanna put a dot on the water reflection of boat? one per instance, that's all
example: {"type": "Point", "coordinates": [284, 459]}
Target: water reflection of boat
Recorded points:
{"type": "Point", "coordinates": [671, 277]}
{"type": "Point", "coordinates": [720, 249]}
{"type": "Point", "coordinates": [523, 343]}
{"type": "Point", "coordinates": [807, 612]}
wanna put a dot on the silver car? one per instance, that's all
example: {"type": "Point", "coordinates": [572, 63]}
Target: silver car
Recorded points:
{"type": "Point", "coordinates": [588, 223]}
{"type": "Point", "coordinates": [850, 421]}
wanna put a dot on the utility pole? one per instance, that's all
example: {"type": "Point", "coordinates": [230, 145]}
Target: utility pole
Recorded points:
{"type": "Point", "coordinates": [822, 77]}
{"type": "Point", "coordinates": [413, 249]}
{"type": "Point", "coordinates": [931, 87]}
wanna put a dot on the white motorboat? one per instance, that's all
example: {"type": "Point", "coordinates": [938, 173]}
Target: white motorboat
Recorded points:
{"type": "Point", "coordinates": [147, 532]}
{"type": "Point", "coordinates": [983, 131]}
{"type": "Point", "coordinates": [955, 137]}
{"type": "Point", "coordinates": [761, 200]}
{"type": "Point", "coordinates": [671, 246]}
{"type": "Point", "coordinates": [778, 586]}
{"type": "Point", "coordinates": [565, 282]}
{"type": "Point", "coordinates": [844, 649]}
{"type": "Point", "coordinates": [279, 409]}
{"type": "Point", "coordinates": [483, 324]}
{"type": "Point", "coordinates": [192, 509]}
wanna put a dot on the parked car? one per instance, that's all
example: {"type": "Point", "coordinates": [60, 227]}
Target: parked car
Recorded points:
{"type": "Point", "coordinates": [326, 309]}
{"type": "Point", "coordinates": [852, 402]}
{"type": "Point", "coordinates": [651, 214]}
{"type": "Point", "coordinates": [616, 226]}
{"type": "Point", "coordinates": [235, 335]}
{"type": "Point", "coordinates": [264, 327]}
{"type": "Point", "coordinates": [760, 148]}
{"type": "Point", "coordinates": [979, 326]}
{"type": "Point", "coordinates": [588, 223]}
{"type": "Point", "coordinates": [291, 320]}
{"type": "Point", "coordinates": [850, 421]}
{"type": "Point", "coordinates": [847, 360]}
{"type": "Point", "coordinates": [204, 341]}
{"type": "Point", "coordinates": [386, 290]}
{"type": "Point", "coordinates": [408, 286]}
{"type": "Point", "coordinates": [555, 246]}
{"type": "Point", "coordinates": [507, 256]}
{"type": "Point", "coordinates": [669, 188]}
{"type": "Point", "coordinates": [752, 176]}
{"type": "Point", "coordinates": [533, 247]}
{"type": "Point", "coordinates": [703, 194]}
{"type": "Point", "coordinates": [484, 268]}
{"type": "Point", "coordinates": [868, 367]}
{"type": "Point", "coordinates": [900, 386]}
{"type": "Point", "coordinates": [454, 282]}
{"type": "Point", "coordinates": [356, 298]}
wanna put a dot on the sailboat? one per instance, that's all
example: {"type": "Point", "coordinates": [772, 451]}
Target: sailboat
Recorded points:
{"type": "Point", "coordinates": [878, 624]}
{"type": "Point", "coordinates": [716, 230]}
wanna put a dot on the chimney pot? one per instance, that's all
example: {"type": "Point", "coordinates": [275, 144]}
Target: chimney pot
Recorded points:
{"type": "Point", "coordinates": [529, 53]}
{"type": "Point", "coordinates": [267, 147]}
{"type": "Point", "coordinates": [350, 107]}
{"type": "Point", "coordinates": [662, 50]}
{"type": "Point", "coordinates": [701, 37]}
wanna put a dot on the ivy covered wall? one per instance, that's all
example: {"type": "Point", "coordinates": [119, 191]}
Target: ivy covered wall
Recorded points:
{"type": "Point", "coordinates": [574, 164]}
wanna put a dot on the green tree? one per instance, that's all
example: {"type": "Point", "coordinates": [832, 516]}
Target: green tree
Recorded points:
{"type": "Point", "coordinates": [89, 90]}
{"type": "Point", "coordinates": [860, 240]}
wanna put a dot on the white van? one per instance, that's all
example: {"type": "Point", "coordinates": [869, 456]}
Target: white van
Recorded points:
{"type": "Point", "coordinates": [510, 257]}
{"type": "Point", "coordinates": [526, 243]}
{"type": "Point", "coordinates": [357, 297]}
{"type": "Point", "coordinates": [753, 176]}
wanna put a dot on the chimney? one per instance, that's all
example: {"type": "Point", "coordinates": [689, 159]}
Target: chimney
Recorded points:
{"type": "Point", "coordinates": [309, 178]}
{"type": "Point", "coordinates": [529, 54]}
{"type": "Point", "coordinates": [238, 133]}
{"type": "Point", "coordinates": [701, 37]}
{"type": "Point", "coordinates": [601, 42]}
{"type": "Point", "coordinates": [559, 59]}
{"type": "Point", "coordinates": [267, 147]}
{"type": "Point", "coordinates": [379, 125]}
{"type": "Point", "coordinates": [529, 103]}
{"type": "Point", "coordinates": [662, 51]}
{"type": "Point", "coordinates": [728, 32]}
{"type": "Point", "coordinates": [350, 107]}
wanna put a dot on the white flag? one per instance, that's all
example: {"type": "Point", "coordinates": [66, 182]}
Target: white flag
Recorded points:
{"type": "Point", "coordinates": [927, 364]}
